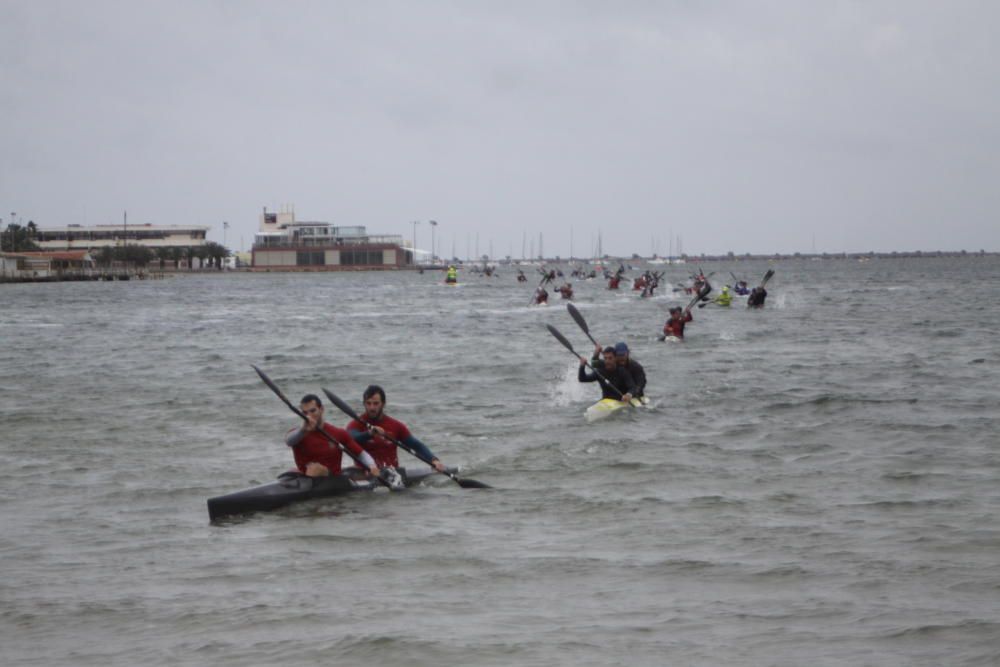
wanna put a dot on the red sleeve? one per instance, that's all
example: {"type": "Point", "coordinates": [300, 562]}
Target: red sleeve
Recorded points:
{"type": "Point", "coordinates": [689, 317]}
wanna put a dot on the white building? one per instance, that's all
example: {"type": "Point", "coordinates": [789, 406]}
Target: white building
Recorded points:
{"type": "Point", "coordinates": [78, 237]}
{"type": "Point", "coordinates": [284, 244]}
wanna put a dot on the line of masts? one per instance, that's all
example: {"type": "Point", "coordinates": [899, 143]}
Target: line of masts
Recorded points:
{"type": "Point", "coordinates": [528, 247]}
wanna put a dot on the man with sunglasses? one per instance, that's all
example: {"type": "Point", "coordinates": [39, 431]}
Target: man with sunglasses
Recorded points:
{"type": "Point", "coordinates": [315, 455]}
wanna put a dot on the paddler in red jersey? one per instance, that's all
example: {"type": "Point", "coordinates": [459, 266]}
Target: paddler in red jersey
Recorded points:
{"type": "Point", "coordinates": [674, 326]}
{"type": "Point", "coordinates": [375, 425]}
{"type": "Point", "coordinates": [315, 455]}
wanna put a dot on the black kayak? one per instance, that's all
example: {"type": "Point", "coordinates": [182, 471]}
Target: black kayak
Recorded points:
{"type": "Point", "coordinates": [292, 487]}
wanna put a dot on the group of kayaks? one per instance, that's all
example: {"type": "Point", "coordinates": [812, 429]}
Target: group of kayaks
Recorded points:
{"type": "Point", "coordinates": [292, 486]}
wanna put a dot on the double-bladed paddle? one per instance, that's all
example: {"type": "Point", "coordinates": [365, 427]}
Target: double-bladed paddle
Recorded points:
{"type": "Point", "coordinates": [334, 441]}
{"type": "Point", "coordinates": [349, 411]}
{"type": "Point", "coordinates": [569, 346]}
{"type": "Point", "coordinates": [767, 276]}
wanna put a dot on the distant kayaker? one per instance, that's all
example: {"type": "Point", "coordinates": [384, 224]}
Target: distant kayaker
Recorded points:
{"type": "Point", "coordinates": [616, 382]}
{"type": "Point", "coordinates": [674, 326]}
{"type": "Point", "coordinates": [452, 275]}
{"type": "Point", "coordinates": [652, 282]}
{"type": "Point", "coordinates": [370, 432]}
{"type": "Point", "coordinates": [566, 291]}
{"type": "Point", "coordinates": [742, 288]}
{"type": "Point", "coordinates": [316, 456]}
{"type": "Point", "coordinates": [725, 298]}
{"type": "Point", "coordinates": [541, 296]}
{"type": "Point", "coordinates": [757, 297]}
{"type": "Point", "coordinates": [521, 278]}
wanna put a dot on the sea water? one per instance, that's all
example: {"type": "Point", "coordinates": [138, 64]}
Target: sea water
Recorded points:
{"type": "Point", "coordinates": [816, 483]}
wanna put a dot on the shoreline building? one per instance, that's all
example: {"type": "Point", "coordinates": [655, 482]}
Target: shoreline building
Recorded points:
{"type": "Point", "coordinates": [78, 237]}
{"type": "Point", "coordinates": [285, 244]}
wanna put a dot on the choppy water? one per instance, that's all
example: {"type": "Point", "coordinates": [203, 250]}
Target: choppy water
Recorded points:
{"type": "Point", "coordinates": [817, 483]}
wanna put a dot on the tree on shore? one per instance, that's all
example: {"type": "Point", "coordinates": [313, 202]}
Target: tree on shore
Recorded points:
{"type": "Point", "coordinates": [216, 253]}
{"type": "Point", "coordinates": [131, 255]}
{"type": "Point", "coordinates": [19, 239]}
{"type": "Point", "coordinates": [194, 252]}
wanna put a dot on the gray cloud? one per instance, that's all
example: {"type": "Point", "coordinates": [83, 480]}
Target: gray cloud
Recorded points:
{"type": "Point", "coordinates": [752, 127]}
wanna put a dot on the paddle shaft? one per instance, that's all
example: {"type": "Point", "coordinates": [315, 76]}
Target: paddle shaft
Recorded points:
{"type": "Point", "coordinates": [334, 441]}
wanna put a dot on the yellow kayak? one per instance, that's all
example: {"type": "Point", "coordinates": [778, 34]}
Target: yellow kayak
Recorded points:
{"type": "Point", "coordinates": [609, 406]}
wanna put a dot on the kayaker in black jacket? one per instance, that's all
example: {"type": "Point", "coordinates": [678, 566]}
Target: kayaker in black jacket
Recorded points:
{"type": "Point", "coordinates": [623, 359]}
{"type": "Point", "coordinates": [616, 382]}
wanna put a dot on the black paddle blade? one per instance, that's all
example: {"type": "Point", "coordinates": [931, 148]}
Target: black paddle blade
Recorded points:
{"type": "Point", "coordinates": [578, 317]}
{"type": "Point", "coordinates": [471, 484]}
{"type": "Point", "coordinates": [273, 387]}
{"type": "Point", "coordinates": [562, 339]}
{"type": "Point", "coordinates": [267, 380]}
{"type": "Point", "coordinates": [767, 276]}
{"type": "Point", "coordinates": [575, 314]}
{"type": "Point", "coordinates": [344, 407]}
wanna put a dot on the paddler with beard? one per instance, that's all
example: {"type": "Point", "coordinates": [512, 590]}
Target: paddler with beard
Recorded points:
{"type": "Point", "coordinates": [375, 425]}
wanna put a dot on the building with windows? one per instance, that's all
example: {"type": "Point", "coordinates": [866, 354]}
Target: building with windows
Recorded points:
{"type": "Point", "coordinates": [284, 244]}
{"type": "Point", "coordinates": [47, 265]}
{"type": "Point", "coordinates": [78, 237]}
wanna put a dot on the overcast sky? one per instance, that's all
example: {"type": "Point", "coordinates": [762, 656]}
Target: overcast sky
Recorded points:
{"type": "Point", "coordinates": [745, 126]}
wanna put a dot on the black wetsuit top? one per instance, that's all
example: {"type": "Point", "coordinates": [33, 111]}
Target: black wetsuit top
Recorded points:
{"type": "Point", "coordinates": [634, 369]}
{"type": "Point", "coordinates": [756, 298]}
{"type": "Point", "coordinates": [619, 379]}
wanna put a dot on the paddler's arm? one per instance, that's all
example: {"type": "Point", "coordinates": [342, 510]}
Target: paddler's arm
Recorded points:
{"type": "Point", "coordinates": [629, 384]}
{"type": "Point", "coordinates": [582, 374]}
{"type": "Point", "coordinates": [423, 452]}
{"type": "Point", "coordinates": [366, 459]}
{"type": "Point", "coordinates": [295, 436]}
{"type": "Point", "coordinates": [640, 378]}
{"type": "Point", "coordinates": [360, 437]}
